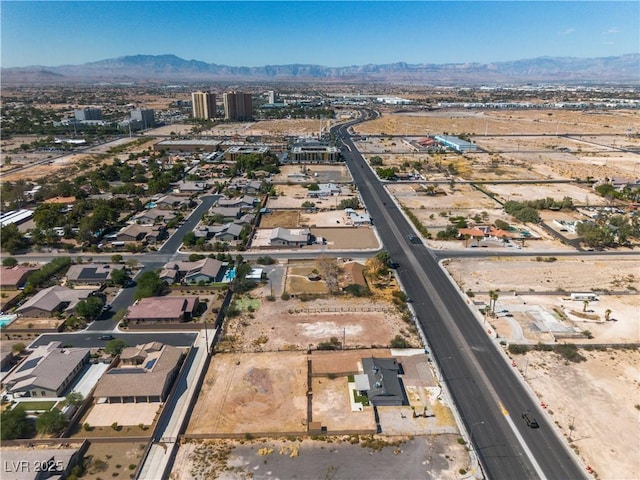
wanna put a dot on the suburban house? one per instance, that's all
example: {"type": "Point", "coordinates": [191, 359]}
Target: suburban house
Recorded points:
{"type": "Point", "coordinates": [187, 186]}
{"type": "Point", "coordinates": [47, 372]}
{"type": "Point", "coordinates": [206, 270]}
{"type": "Point", "coordinates": [353, 274]}
{"type": "Point", "coordinates": [153, 216]}
{"type": "Point", "coordinates": [246, 202]}
{"type": "Point", "coordinates": [94, 274]}
{"type": "Point", "coordinates": [163, 310]}
{"type": "Point", "coordinates": [139, 233]}
{"type": "Point", "coordinates": [325, 190]}
{"type": "Point", "coordinates": [12, 278]}
{"type": "Point", "coordinates": [284, 237]}
{"type": "Point", "coordinates": [169, 202]}
{"type": "Point", "coordinates": [357, 219]}
{"type": "Point", "coordinates": [51, 300]}
{"type": "Point", "coordinates": [53, 462]}
{"type": "Point", "coordinates": [251, 188]}
{"type": "Point", "coordinates": [381, 383]}
{"type": "Point", "coordinates": [145, 375]}
{"type": "Point", "coordinates": [228, 213]}
{"type": "Point", "coordinates": [230, 233]}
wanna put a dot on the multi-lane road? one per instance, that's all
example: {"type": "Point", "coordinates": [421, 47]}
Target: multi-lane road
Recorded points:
{"type": "Point", "coordinates": [487, 391]}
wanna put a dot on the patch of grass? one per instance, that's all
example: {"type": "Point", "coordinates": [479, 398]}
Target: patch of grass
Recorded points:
{"type": "Point", "coordinates": [38, 406]}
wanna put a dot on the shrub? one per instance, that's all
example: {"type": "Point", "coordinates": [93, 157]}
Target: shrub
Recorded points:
{"type": "Point", "coordinates": [516, 349]}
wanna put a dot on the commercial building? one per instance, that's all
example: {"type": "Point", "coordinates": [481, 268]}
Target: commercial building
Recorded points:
{"type": "Point", "coordinates": [203, 105]}
{"type": "Point", "coordinates": [84, 114]}
{"type": "Point", "coordinates": [455, 143]}
{"type": "Point", "coordinates": [194, 145]}
{"type": "Point", "coordinates": [314, 154]}
{"type": "Point", "coordinates": [143, 117]}
{"type": "Point", "coordinates": [237, 106]}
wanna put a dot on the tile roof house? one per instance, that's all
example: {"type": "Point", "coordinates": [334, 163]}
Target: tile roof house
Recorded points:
{"type": "Point", "coordinates": [187, 186]}
{"type": "Point", "coordinates": [245, 202]}
{"type": "Point", "coordinates": [353, 274]}
{"type": "Point", "coordinates": [163, 309]}
{"type": "Point", "coordinates": [12, 278]}
{"type": "Point", "coordinates": [206, 269]}
{"type": "Point", "coordinates": [139, 233]}
{"type": "Point", "coordinates": [145, 375]}
{"type": "Point", "coordinates": [381, 383]}
{"type": "Point", "coordinates": [90, 273]}
{"type": "Point", "coordinates": [47, 372]}
{"type": "Point", "coordinates": [170, 201]}
{"type": "Point", "coordinates": [228, 213]}
{"type": "Point", "coordinates": [230, 233]}
{"type": "Point", "coordinates": [53, 299]}
{"type": "Point", "coordinates": [153, 216]}
{"type": "Point", "coordinates": [284, 237]}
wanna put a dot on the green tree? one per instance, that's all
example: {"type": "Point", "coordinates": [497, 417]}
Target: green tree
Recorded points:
{"type": "Point", "coordinates": [11, 239]}
{"type": "Point", "coordinates": [119, 276]}
{"type": "Point", "coordinates": [15, 424]}
{"type": "Point", "coordinates": [89, 308]}
{"type": "Point", "coordinates": [313, 187]}
{"type": "Point", "coordinates": [51, 422]}
{"type": "Point", "coordinates": [114, 347]}
{"type": "Point", "coordinates": [117, 258]}
{"type": "Point", "coordinates": [189, 239]}
{"type": "Point", "coordinates": [9, 262]}
{"type": "Point", "coordinates": [149, 285]}
{"type": "Point", "coordinates": [18, 348]}
{"type": "Point", "coordinates": [74, 398]}
{"type": "Point", "coordinates": [375, 161]}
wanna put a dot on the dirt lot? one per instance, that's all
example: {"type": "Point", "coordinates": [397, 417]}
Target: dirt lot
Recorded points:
{"type": "Point", "coordinates": [252, 393]}
{"type": "Point", "coordinates": [593, 140]}
{"type": "Point", "coordinates": [295, 325]}
{"type": "Point", "coordinates": [337, 173]}
{"type": "Point", "coordinates": [110, 460]}
{"type": "Point", "coordinates": [432, 457]}
{"type": "Point", "coordinates": [599, 398]}
{"type": "Point", "coordinates": [605, 411]}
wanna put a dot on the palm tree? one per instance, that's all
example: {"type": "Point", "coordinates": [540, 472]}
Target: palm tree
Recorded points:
{"type": "Point", "coordinates": [493, 298]}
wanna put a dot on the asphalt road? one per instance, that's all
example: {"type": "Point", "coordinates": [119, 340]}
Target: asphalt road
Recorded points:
{"type": "Point", "coordinates": [91, 339]}
{"type": "Point", "coordinates": [485, 388]}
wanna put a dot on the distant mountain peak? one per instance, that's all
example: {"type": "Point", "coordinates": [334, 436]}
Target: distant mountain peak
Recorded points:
{"type": "Point", "coordinates": [170, 67]}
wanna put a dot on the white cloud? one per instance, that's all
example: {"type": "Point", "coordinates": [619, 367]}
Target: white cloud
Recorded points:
{"type": "Point", "coordinates": [611, 31]}
{"type": "Point", "coordinates": [567, 31]}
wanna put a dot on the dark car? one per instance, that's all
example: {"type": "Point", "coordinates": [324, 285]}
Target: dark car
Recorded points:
{"type": "Point", "coordinates": [105, 337]}
{"type": "Point", "coordinates": [394, 265]}
{"type": "Point", "coordinates": [414, 239]}
{"type": "Point", "coordinates": [530, 419]}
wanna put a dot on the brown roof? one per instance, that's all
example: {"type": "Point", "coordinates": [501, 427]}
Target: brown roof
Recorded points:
{"type": "Point", "coordinates": [12, 277]}
{"type": "Point", "coordinates": [65, 200]}
{"type": "Point", "coordinates": [147, 379]}
{"type": "Point", "coordinates": [160, 307]}
{"type": "Point", "coordinates": [353, 273]}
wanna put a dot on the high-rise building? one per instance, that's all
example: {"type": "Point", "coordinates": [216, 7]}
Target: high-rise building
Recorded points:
{"type": "Point", "coordinates": [271, 96]}
{"type": "Point", "coordinates": [85, 114]}
{"type": "Point", "coordinates": [203, 105]}
{"type": "Point", "coordinates": [238, 106]}
{"type": "Point", "coordinates": [144, 116]}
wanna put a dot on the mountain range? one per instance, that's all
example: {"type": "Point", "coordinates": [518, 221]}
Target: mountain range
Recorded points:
{"type": "Point", "coordinates": [623, 69]}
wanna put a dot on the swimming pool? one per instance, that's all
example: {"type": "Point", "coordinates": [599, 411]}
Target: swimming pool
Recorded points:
{"type": "Point", "coordinates": [6, 320]}
{"type": "Point", "coordinates": [229, 275]}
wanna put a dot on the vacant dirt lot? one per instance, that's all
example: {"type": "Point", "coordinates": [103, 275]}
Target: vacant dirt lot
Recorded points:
{"type": "Point", "coordinates": [245, 393]}
{"type": "Point", "coordinates": [336, 173]}
{"type": "Point", "coordinates": [110, 460]}
{"type": "Point", "coordinates": [599, 398]}
{"type": "Point", "coordinates": [605, 410]}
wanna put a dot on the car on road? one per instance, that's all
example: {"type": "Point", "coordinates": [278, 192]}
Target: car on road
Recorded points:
{"type": "Point", "coordinates": [530, 419]}
{"type": "Point", "coordinates": [130, 283]}
{"type": "Point", "coordinates": [106, 307]}
{"type": "Point", "coordinates": [394, 265]}
{"type": "Point", "coordinates": [106, 337]}
{"type": "Point", "coordinates": [414, 239]}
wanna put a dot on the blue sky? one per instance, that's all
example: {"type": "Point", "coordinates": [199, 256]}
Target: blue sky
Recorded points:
{"type": "Point", "coordinates": [325, 33]}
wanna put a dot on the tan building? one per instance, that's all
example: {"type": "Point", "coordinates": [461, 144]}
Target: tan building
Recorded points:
{"type": "Point", "coordinates": [145, 375]}
{"type": "Point", "coordinates": [203, 105]}
{"type": "Point", "coordinates": [163, 309]}
{"type": "Point", "coordinates": [237, 106]}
